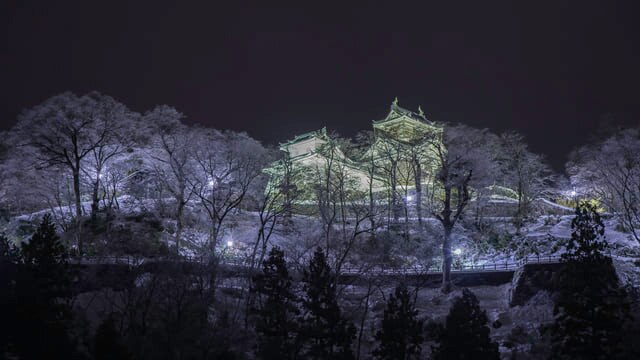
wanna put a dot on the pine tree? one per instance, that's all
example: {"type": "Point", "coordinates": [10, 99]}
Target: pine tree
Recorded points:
{"type": "Point", "coordinates": [465, 334]}
{"type": "Point", "coordinates": [401, 334]}
{"type": "Point", "coordinates": [108, 342]}
{"type": "Point", "coordinates": [588, 243]}
{"type": "Point", "coordinates": [9, 259]}
{"type": "Point", "coordinates": [45, 249]}
{"type": "Point", "coordinates": [275, 325]}
{"type": "Point", "coordinates": [591, 309]}
{"type": "Point", "coordinates": [42, 294]}
{"type": "Point", "coordinates": [325, 333]}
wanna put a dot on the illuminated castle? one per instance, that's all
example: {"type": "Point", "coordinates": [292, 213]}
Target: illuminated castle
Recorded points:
{"type": "Point", "coordinates": [397, 157]}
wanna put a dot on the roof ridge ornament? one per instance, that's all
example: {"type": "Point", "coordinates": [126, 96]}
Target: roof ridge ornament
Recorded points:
{"type": "Point", "coordinates": [395, 101]}
{"type": "Point", "coordinates": [420, 112]}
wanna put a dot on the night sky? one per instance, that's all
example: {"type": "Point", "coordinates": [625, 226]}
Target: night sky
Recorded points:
{"type": "Point", "coordinates": [554, 71]}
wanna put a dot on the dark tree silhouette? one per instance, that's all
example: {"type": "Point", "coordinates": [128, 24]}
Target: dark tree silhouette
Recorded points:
{"type": "Point", "coordinates": [325, 333]}
{"type": "Point", "coordinates": [588, 243]}
{"type": "Point", "coordinates": [45, 251]}
{"type": "Point", "coordinates": [108, 342]}
{"type": "Point", "coordinates": [591, 309]}
{"type": "Point", "coordinates": [400, 337]}
{"type": "Point", "coordinates": [465, 334]}
{"type": "Point", "coordinates": [276, 326]}
{"type": "Point", "coordinates": [9, 258]}
{"type": "Point", "coordinates": [42, 293]}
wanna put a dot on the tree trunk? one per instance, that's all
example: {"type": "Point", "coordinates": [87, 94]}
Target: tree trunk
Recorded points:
{"type": "Point", "coordinates": [371, 203]}
{"type": "Point", "coordinates": [76, 190]}
{"type": "Point", "coordinates": [179, 224]}
{"type": "Point", "coordinates": [215, 232]}
{"type": "Point", "coordinates": [520, 216]}
{"type": "Point", "coordinates": [94, 197]}
{"type": "Point", "coordinates": [395, 207]}
{"type": "Point", "coordinates": [418, 184]}
{"type": "Point", "coordinates": [447, 259]}
{"type": "Point", "coordinates": [447, 226]}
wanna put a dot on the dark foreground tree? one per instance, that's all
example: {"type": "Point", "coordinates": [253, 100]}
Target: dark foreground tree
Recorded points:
{"type": "Point", "coordinates": [465, 334]}
{"type": "Point", "coordinates": [400, 337]}
{"type": "Point", "coordinates": [276, 327]}
{"type": "Point", "coordinates": [9, 258]}
{"type": "Point", "coordinates": [42, 291]}
{"type": "Point", "coordinates": [108, 342]}
{"type": "Point", "coordinates": [325, 333]}
{"type": "Point", "coordinates": [591, 310]}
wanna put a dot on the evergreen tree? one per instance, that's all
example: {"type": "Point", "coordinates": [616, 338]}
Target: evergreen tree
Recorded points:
{"type": "Point", "coordinates": [401, 335]}
{"type": "Point", "coordinates": [42, 293]}
{"type": "Point", "coordinates": [325, 333]}
{"type": "Point", "coordinates": [275, 326]}
{"type": "Point", "coordinates": [108, 342]}
{"type": "Point", "coordinates": [588, 243]}
{"type": "Point", "coordinates": [465, 334]}
{"type": "Point", "coordinates": [591, 310]}
{"type": "Point", "coordinates": [9, 258]}
{"type": "Point", "coordinates": [45, 250]}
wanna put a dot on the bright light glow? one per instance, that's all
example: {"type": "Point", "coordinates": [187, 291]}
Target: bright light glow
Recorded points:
{"type": "Point", "coordinates": [229, 243]}
{"type": "Point", "coordinates": [573, 193]}
{"type": "Point", "coordinates": [457, 251]}
{"type": "Point", "coordinates": [211, 183]}
{"type": "Point", "coordinates": [409, 197]}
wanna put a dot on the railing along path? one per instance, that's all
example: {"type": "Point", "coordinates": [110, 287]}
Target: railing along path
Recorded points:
{"type": "Point", "coordinates": [347, 270]}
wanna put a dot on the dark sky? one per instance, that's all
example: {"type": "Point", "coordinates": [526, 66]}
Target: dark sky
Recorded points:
{"type": "Point", "coordinates": [550, 70]}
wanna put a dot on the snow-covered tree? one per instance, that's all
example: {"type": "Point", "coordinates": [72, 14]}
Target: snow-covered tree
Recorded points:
{"type": "Point", "coordinates": [227, 165]}
{"type": "Point", "coordinates": [523, 171]}
{"type": "Point", "coordinates": [65, 131]}
{"type": "Point", "coordinates": [173, 163]}
{"type": "Point", "coordinates": [343, 207]}
{"type": "Point", "coordinates": [610, 171]}
{"type": "Point", "coordinates": [591, 309]}
{"type": "Point", "coordinates": [363, 142]}
{"type": "Point", "coordinates": [392, 165]}
{"type": "Point", "coordinates": [119, 137]}
{"type": "Point", "coordinates": [276, 202]}
{"type": "Point", "coordinates": [465, 159]}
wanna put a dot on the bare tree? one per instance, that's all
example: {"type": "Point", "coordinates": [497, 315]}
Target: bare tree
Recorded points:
{"type": "Point", "coordinates": [364, 142]}
{"type": "Point", "coordinates": [63, 132]}
{"type": "Point", "coordinates": [172, 152]}
{"type": "Point", "coordinates": [523, 171]}
{"type": "Point", "coordinates": [119, 138]}
{"type": "Point", "coordinates": [123, 169]}
{"type": "Point", "coordinates": [465, 159]}
{"type": "Point", "coordinates": [390, 156]}
{"type": "Point", "coordinates": [275, 203]}
{"type": "Point", "coordinates": [344, 208]}
{"type": "Point", "coordinates": [228, 164]}
{"type": "Point", "coordinates": [610, 171]}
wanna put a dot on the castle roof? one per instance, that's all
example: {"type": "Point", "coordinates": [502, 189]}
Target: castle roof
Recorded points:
{"type": "Point", "coordinates": [308, 135]}
{"type": "Point", "coordinates": [396, 111]}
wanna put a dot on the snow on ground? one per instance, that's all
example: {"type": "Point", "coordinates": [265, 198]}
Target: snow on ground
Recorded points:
{"type": "Point", "coordinates": [239, 236]}
{"type": "Point", "coordinates": [240, 233]}
{"type": "Point", "coordinates": [552, 204]}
